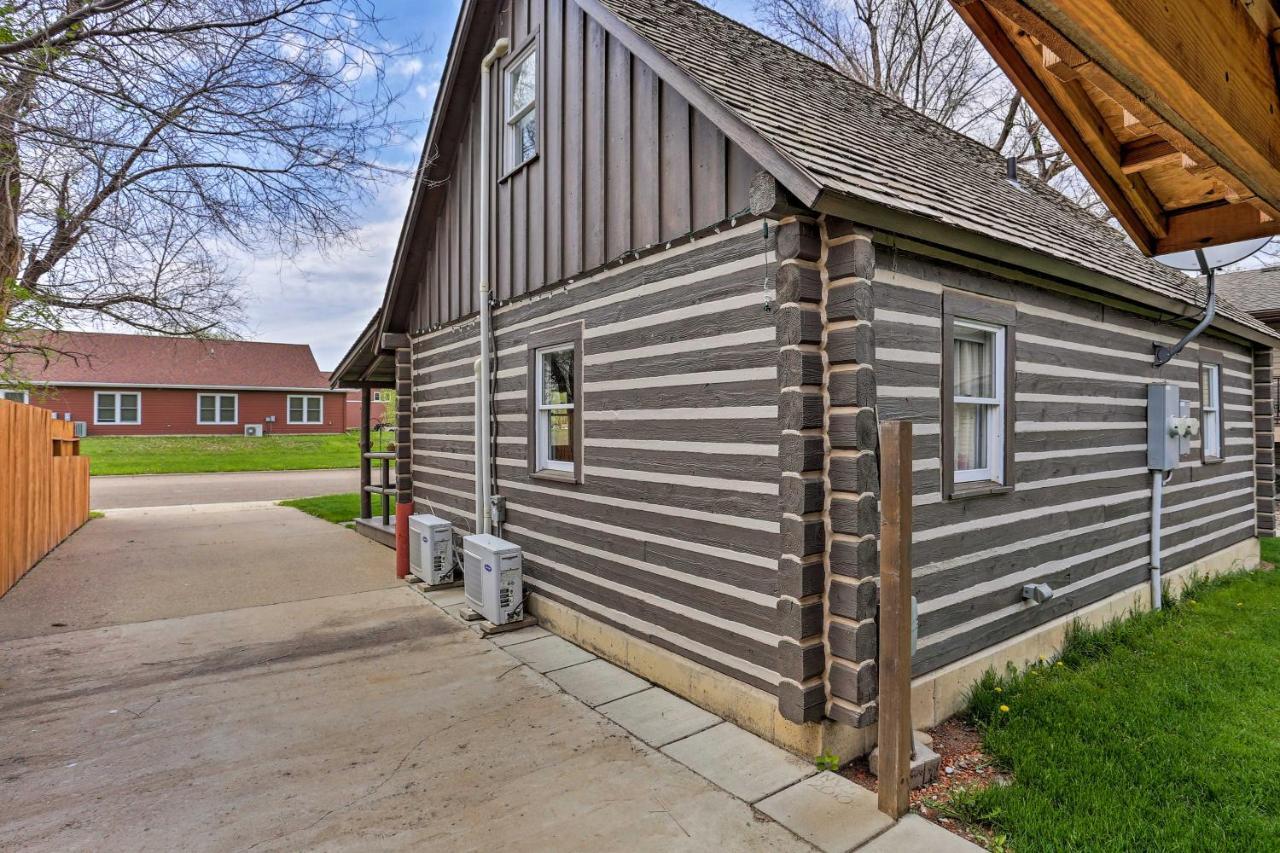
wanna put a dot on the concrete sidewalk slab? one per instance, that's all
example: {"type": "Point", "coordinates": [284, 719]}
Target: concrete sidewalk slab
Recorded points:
{"type": "Point", "coordinates": [915, 833]}
{"type": "Point", "coordinates": [549, 653]}
{"type": "Point", "coordinates": [520, 635]}
{"type": "Point", "coordinates": [597, 681]}
{"type": "Point", "coordinates": [354, 722]}
{"type": "Point", "coordinates": [162, 562]}
{"type": "Point", "coordinates": [743, 764]}
{"type": "Point", "coordinates": [231, 487]}
{"type": "Point", "coordinates": [444, 598]}
{"type": "Point", "coordinates": [829, 811]}
{"type": "Point", "coordinates": [658, 717]}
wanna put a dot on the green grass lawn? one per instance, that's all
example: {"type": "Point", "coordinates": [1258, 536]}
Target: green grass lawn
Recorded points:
{"type": "Point", "coordinates": [336, 508]}
{"type": "Point", "coordinates": [192, 454]}
{"type": "Point", "coordinates": [1158, 733]}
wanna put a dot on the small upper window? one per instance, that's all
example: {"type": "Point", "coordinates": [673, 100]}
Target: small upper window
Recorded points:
{"type": "Point", "coordinates": [556, 402]}
{"type": "Point", "coordinates": [117, 408]}
{"type": "Point", "coordinates": [306, 409]}
{"type": "Point", "coordinates": [522, 109]}
{"type": "Point", "coordinates": [1210, 412]}
{"type": "Point", "coordinates": [14, 396]}
{"type": "Point", "coordinates": [978, 419]}
{"type": "Point", "coordinates": [216, 408]}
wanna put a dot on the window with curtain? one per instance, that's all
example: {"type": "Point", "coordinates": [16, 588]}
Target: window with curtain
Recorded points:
{"type": "Point", "coordinates": [978, 402]}
{"type": "Point", "coordinates": [1210, 412]}
{"type": "Point", "coordinates": [556, 404]}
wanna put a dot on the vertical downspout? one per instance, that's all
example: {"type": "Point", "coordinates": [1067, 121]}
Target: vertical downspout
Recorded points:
{"type": "Point", "coordinates": [500, 48]}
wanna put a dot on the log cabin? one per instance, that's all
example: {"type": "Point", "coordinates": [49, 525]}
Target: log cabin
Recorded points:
{"type": "Point", "coordinates": [712, 267]}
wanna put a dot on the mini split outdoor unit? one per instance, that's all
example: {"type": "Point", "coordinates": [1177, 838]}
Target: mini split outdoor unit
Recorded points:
{"type": "Point", "coordinates": [253, 430]}
{"type": "Point", "coordinates": [492, 578]}
{"type": "Point", "coordinates": [431, 548]}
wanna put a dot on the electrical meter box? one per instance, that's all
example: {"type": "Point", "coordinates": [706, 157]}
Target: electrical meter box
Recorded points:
{"type": "Point", "coordinates": [1170, 426]}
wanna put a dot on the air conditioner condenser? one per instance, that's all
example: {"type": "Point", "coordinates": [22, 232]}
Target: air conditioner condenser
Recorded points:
{"type": "Point", "coordinates": [493, 579]}
{"type": "Point", "coordinates": [431, 548]}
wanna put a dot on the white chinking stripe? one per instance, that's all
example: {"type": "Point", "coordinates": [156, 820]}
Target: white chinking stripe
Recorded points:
{"type": "Point", "coordinates": [700, 309]}
{"type": "Point", "coordinates": [591, 607]}
{"type": "Point", "coordinates": [683, 414]}
{"type": "Point", "coordinates": [754, 487]}
{"type": "Point", "coordinates": [709, 377]}
{"type": "Point", "coordinates": [1075, 426]}
{"type": "Point", "coordinates": [886, 316]}
{"type": "Point", "coordinates": [907, 391]}
{"type": "Point", "coordinates": [1027, 397]}
{"type": "Point", "coordinates": [1075, 452]}
{"type": "Point", "coordinates": [964, 560]}
{"type": "Point", "coordinates": [743, 522]}
{"type": "Point", "coordinates": [1084, 583]}
{"type": "Point", "coordinates": [908, 356]}
{"type": "Point", "coordinates": [764, 334]}
{"type": "Point", "coordinates": [1050, 567]}
{"type": "Point", "coordinates": [769, 562]}
{"type": "Point", "coordinates": [725, 589]}
{"type": "Point", "coordinates": [675, 607]}
{"type": "Point", "coordinates": [728, 448]}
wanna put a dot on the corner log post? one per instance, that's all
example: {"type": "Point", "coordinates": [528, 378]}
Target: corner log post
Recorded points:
{"type": "Point", "coordinates": [404, 456]}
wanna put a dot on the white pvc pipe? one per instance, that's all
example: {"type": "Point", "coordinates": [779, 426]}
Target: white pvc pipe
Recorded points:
{"type": "Point", "coordinates": [1157, 502]}
{"type": "Point", "coordinates": [500, 48]}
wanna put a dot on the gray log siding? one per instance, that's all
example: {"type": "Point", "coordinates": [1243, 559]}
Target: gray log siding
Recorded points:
{"type": "Point", "coordinates": [624, 164]}
{"type": "Point", "coordinates": [674, 534]}
{"type": "Point", "coordinates": [1079, 518]}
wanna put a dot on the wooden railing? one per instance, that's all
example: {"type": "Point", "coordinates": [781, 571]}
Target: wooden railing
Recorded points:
{"type": "Point", "coordinates": [44, 487]}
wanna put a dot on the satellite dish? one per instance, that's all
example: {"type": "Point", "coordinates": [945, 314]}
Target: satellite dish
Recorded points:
{"type": "Point", "coordinates": [1214, 257]}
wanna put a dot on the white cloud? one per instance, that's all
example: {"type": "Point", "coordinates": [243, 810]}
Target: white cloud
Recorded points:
{"type": "Point", "coordinates": [407, 67]}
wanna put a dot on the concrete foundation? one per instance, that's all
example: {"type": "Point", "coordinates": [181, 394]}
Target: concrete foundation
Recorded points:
{"type": "Point", "coordinates": [925, 764]}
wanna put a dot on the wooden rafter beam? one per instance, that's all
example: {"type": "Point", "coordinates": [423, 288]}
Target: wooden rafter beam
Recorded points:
{"type": "Point", "coordinates": [1206, 68]}
{"type": "Point", "coordinates": [996, 40]}
{"type": "Point", "coordinates": [1214, 224]}
{"type": "Point", "coordinates": [1149, 153]}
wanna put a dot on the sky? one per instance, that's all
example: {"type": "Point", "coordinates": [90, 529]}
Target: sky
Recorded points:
{"type": "Point", "coordinates": [325, 298]}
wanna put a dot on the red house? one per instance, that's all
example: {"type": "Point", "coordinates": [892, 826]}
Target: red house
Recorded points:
{"type": "Point", "coordinates": [151, 385]}
{"type": "Point", "coordinates": [377, 407]}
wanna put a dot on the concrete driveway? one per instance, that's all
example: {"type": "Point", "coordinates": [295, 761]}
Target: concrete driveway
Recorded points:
{"type": "Point", "coordinates": [181, 489]}
{"type": "Point", "coordinates": [251, 678]}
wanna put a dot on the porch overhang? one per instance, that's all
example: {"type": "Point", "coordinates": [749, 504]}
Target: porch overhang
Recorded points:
{"type": "Point", "coordinates": [369, 363]}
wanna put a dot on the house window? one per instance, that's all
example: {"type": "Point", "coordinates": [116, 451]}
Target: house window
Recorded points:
{"type": "Point", "coordinates": [521, 92]}
{"type": "Point", "coordinates": [1210, 412]}
{"type": "Point", "coordinates": [15, 396]}
{"type": "Point", "coordinates": [217, 409]}
{"type": "Point", "coordinates": [112, 407]}
{"type": "Point", "coordinates": [306, 409]}
{"type": "Point", "coordinates": [555, 404]}
{"type": "Point", "coordinates": [978, 371]}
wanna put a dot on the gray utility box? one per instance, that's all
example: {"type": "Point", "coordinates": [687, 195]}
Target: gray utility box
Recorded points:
{"type": "Point", "coordinates": [492, 577]}
{"type": "Point", "coordinates": [431, 548]}
{"type": "Point", "coordinates": [1162, 435]}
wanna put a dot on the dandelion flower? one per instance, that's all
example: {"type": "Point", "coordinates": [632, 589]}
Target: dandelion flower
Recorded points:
{"type": "Point", "coordinates": [1239, 604]}
{"type": "Point", "coordinates": [1059, 663]}
{"type": "Point", "coordinates": [999, 689]}
{"type": "Point", "coordinates": [1004, 709]}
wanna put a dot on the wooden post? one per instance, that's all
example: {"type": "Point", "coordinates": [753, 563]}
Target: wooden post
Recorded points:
{"type": "Point", "coordinates": [366, 505]}
{"type": "Point", "coordinates": [404, 455]}
{"type": "Point", "coordinates": [894, 735]}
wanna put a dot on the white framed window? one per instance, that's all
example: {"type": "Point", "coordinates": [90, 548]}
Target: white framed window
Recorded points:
{"type": "Point", "coordinates": [1210, 412]}
{"type": "Point", "coordinates": [117, 407]}
{"type": "Point", "coordinates": [556, 407]}
{"type": "Point", "coordinates": [978, 402]}
{"type": "Point", "coordinates": [306, 409]}
{"type": "Point", "coordinates": [16, 396]}
{"type": "Point", "coordinates": [520, 99]}
{"type": "Point", "coordinates": [217, 408]}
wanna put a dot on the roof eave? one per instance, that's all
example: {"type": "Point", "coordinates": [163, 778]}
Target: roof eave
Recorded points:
{"type": "Point", "coordinates": [976, 246]}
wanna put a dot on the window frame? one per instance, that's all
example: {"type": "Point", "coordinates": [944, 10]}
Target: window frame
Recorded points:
{"type": "Point", "coordinates": [117, 395]}
{"type": "Point", "coordinates": [970, 310]}
{"type": "Point", "coordinates": [288, 409]}
{"type": "Point", "coordinates": [1212, 361]}
{"type": "Point", "coordinates": [5, 392]}
{"type": "Point", "coordinates": [568, 336]}
{"type": "Point", "coordinates": [513, 61]}
{"type": "Point", "coordinates": [217, 409]}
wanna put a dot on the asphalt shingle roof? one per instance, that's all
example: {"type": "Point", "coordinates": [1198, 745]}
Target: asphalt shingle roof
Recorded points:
{"type": "Point", "coordinates": [1252, 290]}
{"type": "Point", "coordinates": [113, 359]}
{"type": "Point", "coordinates": [853, 140]}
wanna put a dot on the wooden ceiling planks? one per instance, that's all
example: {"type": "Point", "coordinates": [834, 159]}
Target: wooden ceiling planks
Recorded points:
{"type": "Point", "coordinates": [1191, 161]}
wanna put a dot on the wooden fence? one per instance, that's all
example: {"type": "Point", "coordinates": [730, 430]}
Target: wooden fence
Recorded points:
{"type": "Point", "coordinates": [44, 487]}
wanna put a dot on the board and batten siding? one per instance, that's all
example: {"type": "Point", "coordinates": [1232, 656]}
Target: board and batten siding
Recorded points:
{"type": "Point", "coordinates": [1079, 516]}
{"type": "Point", "coordinates": [674, 534]}
{"type": "Point", "coordinates": [624, 163]}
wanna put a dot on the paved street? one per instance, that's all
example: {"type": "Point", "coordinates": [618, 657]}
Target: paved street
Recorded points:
{"type": "Point", "coordinates": [181, 489]}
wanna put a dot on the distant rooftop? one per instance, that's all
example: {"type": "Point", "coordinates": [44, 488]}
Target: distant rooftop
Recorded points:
{"type": "Point", "coordinates": [1255, 291]}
